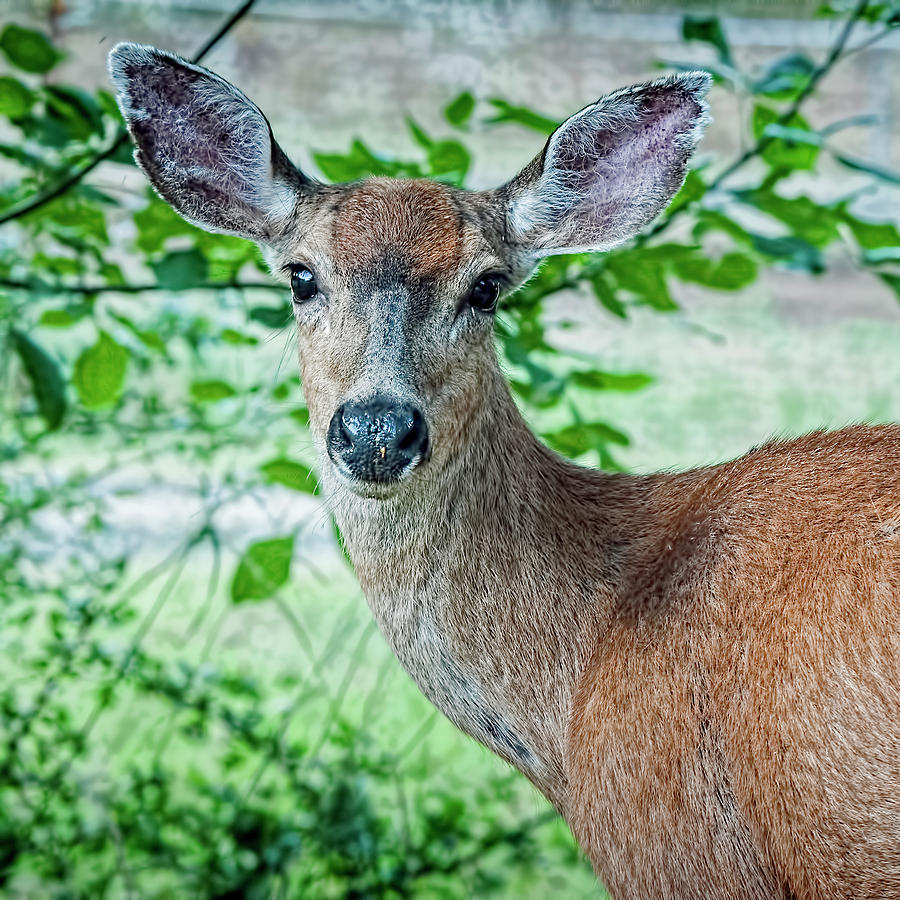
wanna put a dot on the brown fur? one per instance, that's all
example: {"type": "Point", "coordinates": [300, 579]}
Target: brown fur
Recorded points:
{"type": "Point", "coordinates": [705, 665]}
{"type": "Point", "coordinates": [749, 682]}
{"type": "Point", "coordinates": [414, 218]}
{"type": "Point", "coordinates": [701, 671]}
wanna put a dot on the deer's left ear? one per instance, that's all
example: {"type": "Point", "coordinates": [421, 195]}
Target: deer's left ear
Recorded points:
{"type": "Point", "coordinates": [609, 169]}
{"type": "Point", "coordinates": [206, 148]}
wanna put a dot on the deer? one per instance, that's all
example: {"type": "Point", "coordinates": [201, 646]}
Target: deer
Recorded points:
{"type": "Point", "coordinates": [700, 670]}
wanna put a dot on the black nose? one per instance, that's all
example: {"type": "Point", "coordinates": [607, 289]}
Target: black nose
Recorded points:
{"type": "Point", "coordinates": [378, 439]}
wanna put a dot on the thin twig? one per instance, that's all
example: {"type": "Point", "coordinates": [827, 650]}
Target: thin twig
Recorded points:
{"type": "Point", "coordinates": [87, 289]}
{"type": "Point", "coordinates": [865, 45]}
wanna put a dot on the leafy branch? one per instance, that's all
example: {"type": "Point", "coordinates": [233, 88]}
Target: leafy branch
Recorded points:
{"type": "Point", "coordinates": [41, 287]}
{"type": "Point", "coordinates": [120, 138]}
{"type": "Point", "coordinates": [832, 58]}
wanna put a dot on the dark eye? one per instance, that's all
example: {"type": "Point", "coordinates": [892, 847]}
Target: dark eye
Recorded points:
{"type": "Point", "coordinates": [303, 284]}
{"type": "Point", "coordinates": [485, 292]}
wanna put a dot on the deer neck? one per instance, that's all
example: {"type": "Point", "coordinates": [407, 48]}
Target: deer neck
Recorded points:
{"type": "Point", "coordinates": [492, 582]}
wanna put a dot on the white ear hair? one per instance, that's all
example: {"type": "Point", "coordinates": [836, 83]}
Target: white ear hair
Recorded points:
{"type": "Point", "coordinates": [611, 168]}
{"type": "Point", "coordinates": [205, 146]}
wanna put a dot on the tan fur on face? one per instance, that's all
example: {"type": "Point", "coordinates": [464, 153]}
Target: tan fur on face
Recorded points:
{"type": "Point", "coordinates": [414, 218]}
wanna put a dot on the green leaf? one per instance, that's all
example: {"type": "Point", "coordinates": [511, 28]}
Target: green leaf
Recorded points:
{"type": "Point", "coordinates": [785, 77]}
{"type": "Point", "coordinates": [181, 270]}
{"type": "Point", "coordinates": [807, 219]}
{"type": "Point", "coordinates": [780, 153]}
{"type": "Point", "coordinates": [707, 29]}
{"type": "Point", "coordinates": [459, 110]}
{"type": "Point", "coordinates": [607, 296]}
{"type": "Point", "coordinates": [596, 380]}
{"type": "Point", "coordinates": [731, 272]}
{"type": "Point", "coordinates": [46, 381]}
{"type": "Point", "coordinates": [720, 72]}
{"type": "Point", "coordinates": [111, 273]}
{"type": "Point", "coordinates": [57, 318]}
{"type": "Point", "coordinates": [230, 336]}
{"type": "Point", "coordinates": [150, 339]}
{"type": "Point", "coordinates": [642, 273]}
{"type": "Point", "coordinates": [543, 389]}
{"type": "Point", "coordinates": [75, 221]}
{"type": "Point", "coordinates": [226, 255]}
{"type": "Point", "coordinates": [871, 235]}
{"type": "Point", "coordinates": [28, 50]}
{"type": "Point", "coordinates": [300, 415]}
{"type": "Point", "coordinates": [418, 133]}
{"type": "Point", "coordinates": [448, 161]}
{"type": "Point", "coordinates": [291, 474]}
{"type": "Point", "coordinates": [15, 98]}
{"type": "Point", "coordinates": [75, 110]}
{"type": "Point", "coordinates": [691, 191]}
{"type": "Point", "coordinates": [57, 265]}
{"type": "Point", "coordinates": [361, 162]}
{"type": "Point", "coordinates": [156, 223]}
{"type": "Point", "coordinates": [100, 372]}
{"type": "Point", "coordinates": [211, 391]}
{"type": "Point", "coordinates": [793, 135]}
{"type": "Point", "coordinates": [881, 255]}
{"type": "Point", "coordinates": [264, 567]}
{"type": "Point", "coordinates": [794, 252]}
{"type": "Point", "coordinates": [578, 438]}
{"type": "Point", "coordinates": [271, 316]}
{"type": "Point", "coordinates": [892, 281]}
{"type": "Point", "coordinates": [521, 115]}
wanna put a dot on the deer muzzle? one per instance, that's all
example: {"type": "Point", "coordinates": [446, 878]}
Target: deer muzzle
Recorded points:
{"type": "Point", "coordinates": [377, 441]}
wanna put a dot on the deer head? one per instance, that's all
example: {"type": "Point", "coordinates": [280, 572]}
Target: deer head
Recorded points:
{"type": "Point", "coordinates": [395, 282]}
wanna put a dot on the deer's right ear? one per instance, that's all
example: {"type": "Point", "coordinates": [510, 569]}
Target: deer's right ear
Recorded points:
{"type": "Point", "coordinates": [608, 170]}
{"type": "Point", "coordinates": [206, 148]}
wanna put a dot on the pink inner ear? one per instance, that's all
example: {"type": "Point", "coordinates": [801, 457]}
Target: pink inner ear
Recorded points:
{"type": "Point", "coordinates": [185, 129]}
{"type": "Point", "coordinates": [206, 148]}
{"type": "Point", "coordinates": [611, 168]}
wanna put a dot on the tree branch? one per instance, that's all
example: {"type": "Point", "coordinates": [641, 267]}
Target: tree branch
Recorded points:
{"type": "Point", "coordinates": [121, 136]}
{"type": "Point", "coordinates": [19, 285]}
{"type": "Point", "coordinates": [833, 57]}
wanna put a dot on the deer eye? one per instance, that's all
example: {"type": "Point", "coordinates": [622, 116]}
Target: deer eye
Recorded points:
{"type": "Point", "coordinates": [485, 292]}
{"type": "Point", "coordinates": [303, 284]}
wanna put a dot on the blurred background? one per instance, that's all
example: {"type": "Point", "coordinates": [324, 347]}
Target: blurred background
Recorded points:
{"type": "Point", "coordinates": [193, 697]}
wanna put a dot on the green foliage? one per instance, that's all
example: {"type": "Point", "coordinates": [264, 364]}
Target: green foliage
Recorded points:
{"type": "Point", "coordinates": [707, 29]}
{"type": "Point", "coordinates": [210, 391]}
{"type": "Point", "coordinates": [793, 145]}
{"type": "Point", "coordinates": [100, 372]}
{"type": "Point", "coordinates": [459, 110]}
{"type": "Point", "coordinates": [140, 751]}
{"type": "Point", "coordinates": [15, 98]}
{"type": "Point", "coordinates": [521, 115]}
{"type": "Point", "coordinates": [46, 381]}
{"type": "Point", "coordinates": [264, 567]}
{"type": "Point", "coordinates": [28, 50]}
{"type": "Point", "coordinates": [289, 473]}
